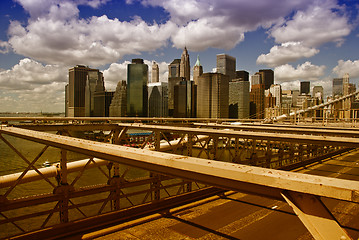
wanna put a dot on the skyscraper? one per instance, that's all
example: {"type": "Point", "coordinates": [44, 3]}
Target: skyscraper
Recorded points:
{"type": "Point", "coordinates": [155, 75]}
{"type": "Point", "coordinates": [257, 96]}
{"type": "Point", "coordinates": [305, 87]}
{"type": "Point", "coordinates": [137, 95]}
{"type": "Point", "coordinates": [173, 79]}
{"type": "Point", "coordinates": [318, 92]}
{"type": "Point", "coordinates": [76, 90]}
{"type": "Point", "coordinates": [239, 98]}
{"type": "Point", "coordinates": [99, 99]}
{"type": "Point", "coordinates": [185, 69]}
{"type": "Point", "coordinates": [267, 77]}
{"type": "Point", "coordinates": [276, 91]}
{"type": "Point", "coordinates": [158, 99]}
{"type": "Point", "coordinates": [185, 101]}
{"type": "Point", "coordinates": [197, 70]}
{"type": "Point", "coordinates": [226, 65]}
{"type": "Point", "coordinates": [337, 86]}
{"type": "Point", "coordinates": [212, 95]}
{"type": "Point", "coordinates": [118, 105]}
{"type": "Point", "coordinates": [346, 84]}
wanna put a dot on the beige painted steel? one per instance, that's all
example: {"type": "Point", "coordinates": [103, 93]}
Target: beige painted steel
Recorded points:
{"type": "Point", "coordinates": [298, 138]}
{"type": "Point", "coordinates": [283, 129]}
{"type": "Point", "coordinates": [315, 216]}
{"type": "Point", "coordinates": [32, 175]}
{"type": "Point", "coordinates": [237, 177]}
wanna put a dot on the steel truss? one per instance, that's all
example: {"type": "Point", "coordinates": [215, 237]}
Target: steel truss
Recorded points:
{"type": "Point", "coordinates": [251, 148]}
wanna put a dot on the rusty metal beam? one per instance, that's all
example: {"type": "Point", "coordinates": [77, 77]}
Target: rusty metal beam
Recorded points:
{"type": "Point", "coordinates": [248, 179]}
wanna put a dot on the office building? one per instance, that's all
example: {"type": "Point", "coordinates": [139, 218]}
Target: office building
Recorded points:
{"type": "Point", "coordinates": [75, 97]}
{"type": "Point", "coordinates": [346, 84]}
{"type": "Point", "coordinates": [185, 69]}
{"type": "Point", "coordinates": [276, 91]}
{"type": "Point", "coordinates": [158, 99]}
{"type": "Point", "coordinates": [118, 105]}
{"type": "Point", "coordinates": [239, 99]}
{"type": "Point", "coordinates": [267, 77]}
{"type": "Point", "coordinates": [185, 100]}
{"type": "Point", "coordinates": [304, 88]}
{"type": "Point", "coordinates": [213, 95]}
{"type": "Point", "coordinates": [108, 101]}
{"type": "Point", "coordinates": [197, 70]}
{"type": "Point", "coordinates": [226, 65]}
{"type": "Point", "coordinates": [337, 87]}
{"type": "Point", "coordinates": [99, 97]}
{"type": "Point", "coordinates": [173, 79]}
{"type": "Point", "coordinates": [242, 76]}
{"type": "Point", "coordinates": [257, 96]}
{"type": "Point", "coordinates": [155, 73]}
{"type": "Point", "coordinates": [137, 95]}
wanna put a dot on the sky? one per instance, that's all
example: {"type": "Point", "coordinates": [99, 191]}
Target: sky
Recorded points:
{"type": "Point", "coordinates": [301, 40]}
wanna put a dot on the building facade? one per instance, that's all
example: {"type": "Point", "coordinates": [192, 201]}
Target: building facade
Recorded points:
{"type": "Point", "coordinates": [337, 87]}
{"type": "Point", "coordinates": [76, 90]}
{"type": "Point", "coordinates": [155, 73]}
{"type": "Point", "coordinates": [118, 107]}
{"type": "Point", "coordinates": [185, 67]}
{"type": "Point", "coordinates": [158, 99]}
{"type": "Point", "coordinates": [239, 99]}
{"type": "Point", "coordinates": [185, 101]}
{"type": "Point", "coordinates": [197, 71]}
{"type": "Point", "coordinates": [226, 65]}
{"type": "Point", "coordinates": [213, 95]}
{"type": "Point", "coordinates": [305, 87]}
{"type": "Point", "coordinates": [257, 96]}
{"type": "Point", "coordinates": [267, 77]}
{"type": "Point", "coordinates": [276, 91]}
{"type": "Point", "coordinates": [137, 95]}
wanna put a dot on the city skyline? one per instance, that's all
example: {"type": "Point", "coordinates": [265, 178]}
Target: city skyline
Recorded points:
{"type": "Point", "coordinates": [40, 40]}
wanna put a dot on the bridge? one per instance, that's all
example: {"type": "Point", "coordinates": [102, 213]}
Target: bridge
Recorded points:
{"type": "Point", "coordinates": [95, 184]}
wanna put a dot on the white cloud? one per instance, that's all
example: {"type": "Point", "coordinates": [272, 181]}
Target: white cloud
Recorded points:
{"type": "Point", "coordinates": [31, 86]}
{"type": "Point", "coordinates": [351, 67]}
{"type": "Point", "coordinates": [323, 21]}
{"type": "Point", "coordinates": [69, 40]}
{"type": "Point", "coordinates": [305, 71]}
{"type": "Point", "coordinates": [286, 52]}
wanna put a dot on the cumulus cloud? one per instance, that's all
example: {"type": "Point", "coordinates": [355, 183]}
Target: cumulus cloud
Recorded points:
{"type": "Point", "coordinates": [29, 85]}
{"type": "Point", "coordinates": [305, 71]}
{"type": "Point", "coordinates": [323, 21]}
{"type": "Point", "coordinates": [286, 52]}
{"type": "Point", "coordinates": [69, 40]}
{"type": "Point", "coordinates": [351, 67]}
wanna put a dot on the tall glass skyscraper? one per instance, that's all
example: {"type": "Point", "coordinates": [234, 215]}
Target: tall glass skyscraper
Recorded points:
{"type": "Point", "coordinates": [137, 95]}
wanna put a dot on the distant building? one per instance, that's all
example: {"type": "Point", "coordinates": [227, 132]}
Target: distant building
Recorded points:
{"type": "Point", "coordinates": [318, 92]}
{"type": "Point", "coordinates": [173, 79]}
{"type": "Point", "coordinates": [212, 95]}
{"type": "Point", "coordinates": [155, 74]}
{"type": "Point", "coordinates": [305, 87]}
{"type": "Point", "coordinates": [197, 70]}
{"type": "Point", "coordinates": [185, 69]}
{"type": "Point", "coordinates": [108, 101]}
{"type": "Point", "coordinates": [276, 91]}
{"type": "Point", "coordinates": [185, 101]}
{"type": "Point", "coordinates": [118, 105]}
{"type": "Point", "coordinates": [242, 75]}
{"type": "Point", "coordinates": [346, 84]}
{"type": "Point", "coordinates": [137, 95]}
{"type": "Point", "coordinates": [239, 98]}
{"type": "Point", "coordinates": [99, 100]}
{"type": "Point", "coordinates": [267, 77]}
{"type": "Point", "coordinates": [226, 65]}
{"type": "Point", "coordinates": [75, 97]}
{"type": "Point", "coordinates": [158, 99]}
{"type": "Point", "coordinates": [257, 96]}
{"type": "Point", "coordinates": [337, 87]}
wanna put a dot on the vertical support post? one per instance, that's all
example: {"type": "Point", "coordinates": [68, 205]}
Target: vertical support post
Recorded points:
{"type": "Point", "coordinates": [156, 181]}
{"type": "Point", "coordinates": [189, 144]}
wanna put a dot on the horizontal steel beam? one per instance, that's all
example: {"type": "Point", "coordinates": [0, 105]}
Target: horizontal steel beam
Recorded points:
{"type": "Point", "coordinates": [298, 138]}
{"type": "Point", "coordinates": [283, 129]}
{"type": "Point", "coordinates": [237, 177]}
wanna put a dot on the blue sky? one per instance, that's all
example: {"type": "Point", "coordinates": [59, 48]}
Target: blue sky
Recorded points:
{"type": "Point", "coordinates": [311, 40]}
